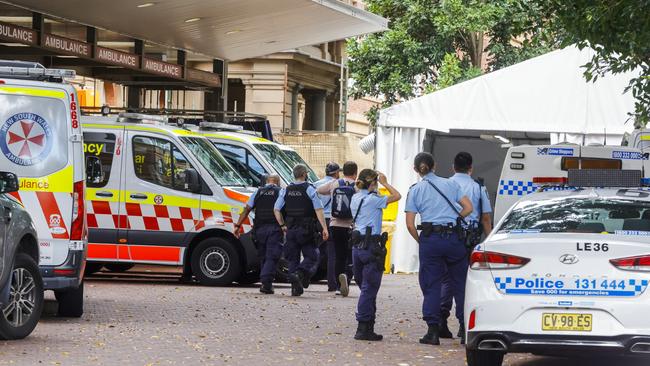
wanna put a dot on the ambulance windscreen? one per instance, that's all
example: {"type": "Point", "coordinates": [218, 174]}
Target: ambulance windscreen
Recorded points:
{"type": "Point", "coordinates": [580, 215]}
{"type": "Point", "coordinates": [213, 162]}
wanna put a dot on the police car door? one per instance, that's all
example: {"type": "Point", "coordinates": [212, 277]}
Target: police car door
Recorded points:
{"type": "Point", "coordinates": [104, 154]}
{"type": "Point", "coordinates": [161, 210]}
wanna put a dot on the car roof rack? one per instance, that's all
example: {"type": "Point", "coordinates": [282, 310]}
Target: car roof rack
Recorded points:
{"type": "Point", "coordinates": [25, 70]}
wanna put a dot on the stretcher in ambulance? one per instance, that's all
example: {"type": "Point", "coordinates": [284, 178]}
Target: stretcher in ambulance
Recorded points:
{"type": "Point", "coordinates": [254, 157]}
{"type": "Point", "coordinates": [527, 168]}
{"type": "Point", "coordinates": [41, 142]}
{"type": "Point", "coordinates": [162, 194]}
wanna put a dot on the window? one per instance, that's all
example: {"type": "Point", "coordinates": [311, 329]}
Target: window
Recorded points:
{"type": "Point", "coordinates": [99, 148]}
{"type": "Point", "coordinates": [249, 166]}
{"type": "Point", "coordinates": [213, 161]}
{"type": "Point", "coordinates": [159, 162]}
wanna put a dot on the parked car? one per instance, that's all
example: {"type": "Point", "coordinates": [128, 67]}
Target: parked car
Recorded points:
{"type": "Point", "coordinates": [21, 285]}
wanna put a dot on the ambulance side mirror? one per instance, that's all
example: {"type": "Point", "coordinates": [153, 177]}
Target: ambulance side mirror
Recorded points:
{"type": "Point", "coordinates": [94, 170]}
{"type": "Point", "coordinates": [192, 181]}
{"type": "Point", "coordinates": [8, 182]}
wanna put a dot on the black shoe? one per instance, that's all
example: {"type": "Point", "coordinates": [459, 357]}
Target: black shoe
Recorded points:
{"type": "Point", "coordinates": [461, 334]}
{"type": "Point", "coordinates": [444, 332]}
{"type": "Point", "coordinates": [364, 333]}
{"type": "Point", "coordinates": [371, 326]}
{"type": "Point", "coordinates": [296, 285]}
{"type": "Point", "coordinates": [431, 337]}
{"type": "Point", "coordinates": [305, 279]}
{"type": "Point", "coordinates": [267, 288]}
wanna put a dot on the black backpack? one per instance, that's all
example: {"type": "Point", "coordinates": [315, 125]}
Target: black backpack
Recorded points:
{"type": "Point", "coordinates": [341, 198]}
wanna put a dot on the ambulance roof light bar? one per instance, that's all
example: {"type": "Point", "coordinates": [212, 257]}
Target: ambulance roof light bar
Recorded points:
{"type": "Point", "coordinates": [140, 118]}
{"type": "Point", "coordinates": [33, 71]}
{"type": "Point", "coordinates": [219, 126]}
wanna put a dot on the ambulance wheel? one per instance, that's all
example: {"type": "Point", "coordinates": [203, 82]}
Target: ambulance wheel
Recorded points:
{"type": "Point", "coordinates": [119, 267]}
{"type": "Point", "coordinates": [21, 314]}
{"type": "Point", "coordinates": [93, 267]}
{"type": "Point", "coordinates": [215, 262]}
{"type": "Point", "coordinates": [484, 358]}
{"type": "Point", "coordinates": [71, 302]}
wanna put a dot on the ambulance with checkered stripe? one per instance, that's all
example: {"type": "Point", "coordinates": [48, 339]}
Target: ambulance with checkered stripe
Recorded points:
{"type": "Point", "coordinates": [566, 272]}
{"type": "Point", "coordinates": [162, 194]}
{"type": "Point", "coordinates": [527, 168]}
{"type": "Point", "coordinates": [252, 156]}
{"type": "Point", "coordinates": [41, 142]}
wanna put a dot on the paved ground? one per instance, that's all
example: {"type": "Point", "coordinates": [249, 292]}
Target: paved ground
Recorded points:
{"type": "Point", "coordinates": [154, 320]}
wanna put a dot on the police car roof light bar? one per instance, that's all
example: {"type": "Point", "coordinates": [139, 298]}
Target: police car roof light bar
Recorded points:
{"type": "Point", "coordinates": [645, 182]}
{"type": "Point", "coordinates": [33, 71]}
{"type": "Point", "coordinates": [219, 126]}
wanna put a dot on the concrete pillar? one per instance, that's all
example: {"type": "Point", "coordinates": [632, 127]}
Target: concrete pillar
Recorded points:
{"type": "Point", "coordinates": [318, 111]}
{"type": "Point", "coordinates": [295, 92]}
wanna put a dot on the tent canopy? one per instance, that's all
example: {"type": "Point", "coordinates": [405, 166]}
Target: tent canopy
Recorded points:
{"type": "Point", "coordinates": [544, 94]}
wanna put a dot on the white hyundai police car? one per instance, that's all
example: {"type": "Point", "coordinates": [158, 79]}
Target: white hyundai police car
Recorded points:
{"type": "Point", "coordinates": [565, 272]}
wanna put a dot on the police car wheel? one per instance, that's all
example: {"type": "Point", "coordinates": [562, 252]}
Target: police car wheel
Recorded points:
{"type": "Point", "coordinates": [215, 262]}
{"type": "Point", "coordinates": [21, 314]}
{"type": "Point", "coordinates": [484, 358]}
{"type": "Point", "coordinates": [71, 302]}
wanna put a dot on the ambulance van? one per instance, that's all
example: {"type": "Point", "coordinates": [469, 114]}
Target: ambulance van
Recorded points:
{"type": "Point", "coordinates": [253, 153]}
{"type": "Point", "coordinates": [162, 194]}
{"type": "Point", "coordinates": [527, 168]}
{"type": "Point", "coordinates": [41, 142]}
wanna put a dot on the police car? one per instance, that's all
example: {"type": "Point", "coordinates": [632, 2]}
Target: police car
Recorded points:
{"type": "Point", "coordinates": [565, 272]}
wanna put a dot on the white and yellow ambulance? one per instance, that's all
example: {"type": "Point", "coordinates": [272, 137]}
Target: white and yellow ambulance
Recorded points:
{"type": "Point", "coordinates": [41, 142]}
{"type": "Point", "coordinates": [162, 194]}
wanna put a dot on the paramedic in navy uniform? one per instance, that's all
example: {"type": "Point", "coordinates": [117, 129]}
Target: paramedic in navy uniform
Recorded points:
{"type": "Point", "coordinates": [477, 194]}
{"type": "Point", "coordinates": [440, 248]}
{"type": "Point", "coordinates": [368, 251]}
{"type": "Point", "coordinates": [304, 220]}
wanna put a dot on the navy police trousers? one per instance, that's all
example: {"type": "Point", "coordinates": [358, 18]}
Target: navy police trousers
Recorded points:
{"type": "Point", "coordinates": [269, 250]}
{"type": "Point", "coordinates": [440, 255]}
{"type": "Point", "coordinates": [368, 276]}
{"type": "Point", "coordinates": [300, 240]}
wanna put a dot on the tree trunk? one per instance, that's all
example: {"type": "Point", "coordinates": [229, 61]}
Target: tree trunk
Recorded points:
{"type": "Point", "coordinates": [475, 47]}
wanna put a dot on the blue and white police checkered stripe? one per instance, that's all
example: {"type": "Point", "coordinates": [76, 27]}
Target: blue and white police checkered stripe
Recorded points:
{"type": "Point", "coordinates": [516, 188]}
{"type": "Point", "coordinates": [633, 288]}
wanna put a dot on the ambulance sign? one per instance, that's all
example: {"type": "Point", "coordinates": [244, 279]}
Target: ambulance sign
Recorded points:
{"type": "Point", "coordinates": [25, 139]}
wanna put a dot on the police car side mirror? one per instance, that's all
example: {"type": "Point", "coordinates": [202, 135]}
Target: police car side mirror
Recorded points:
{"type": "Point", "coordinates": [8, 182]}
{"type": "Point", "coordinates": [94, 170]}
{"type": "Point", "coordinates": [192, 181]}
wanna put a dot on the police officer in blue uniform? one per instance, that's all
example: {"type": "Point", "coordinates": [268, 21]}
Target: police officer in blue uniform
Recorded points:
{"type": "Point", "coordinates": [326, 250]}
{"type": "Point", "coordinates": [369, 247]}
{"type": "Point", "coordinates": [266, 231]}
{"type": "Point", "coordinates": [302, 222]}
{"type": "Point", "coordinates": [479, 221]}
{"type": "Point", "coordinates": [440, 203]}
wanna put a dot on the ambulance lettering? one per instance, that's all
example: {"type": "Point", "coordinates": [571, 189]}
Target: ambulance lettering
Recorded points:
{"type": "Point", "coordinates": [26, 139]}
{"type": "Point", "coordinates": [94, 148]}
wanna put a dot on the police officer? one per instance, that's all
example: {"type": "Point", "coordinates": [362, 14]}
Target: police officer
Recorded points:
{"type": "Point", "coordinates": [440, 248]}
{"type": "Point", "coordinates": [304, 213]}
{"type": "Point", "coordinates": [332, 173]}
{"type": "Point", "coordinates": [266, 231]}
{"type": "Point", "coordinates": [479, 221]}
{"type": "Point", "coordinates": [369, 247]}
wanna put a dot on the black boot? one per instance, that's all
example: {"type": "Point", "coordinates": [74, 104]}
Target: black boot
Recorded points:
{"type": "Point", "coordinates": [371, 326]}
{"type": "Point", "coordinates": [267, 288]}
{"type": "Point", "coordinates": [444, 332]}
{"type": "Point", "coordinates": [296, 285]}
{"type": "Point", "coordinates": [365, 334]}
{"type": "Point", "coordinates": [461, 334]}
{"type": "Point", "coordinates": [305, 278]}
{"type": "Point", "coordinates": [431, 337]}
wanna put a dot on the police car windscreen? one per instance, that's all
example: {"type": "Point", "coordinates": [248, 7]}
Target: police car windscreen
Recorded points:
{"type": "Point", "coordinates": [580, 215]}
{"type": "Point", "coordinates": [213, 162]}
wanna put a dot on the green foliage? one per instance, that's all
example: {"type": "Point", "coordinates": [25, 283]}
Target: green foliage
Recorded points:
{"type": "Point", "coordinates": [619, 32]}
{"type": "Point", "coordinates": [432, 44]}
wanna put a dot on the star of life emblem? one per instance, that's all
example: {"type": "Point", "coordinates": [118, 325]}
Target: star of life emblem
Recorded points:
{"type": "Point", "coordinates": [25, 139]}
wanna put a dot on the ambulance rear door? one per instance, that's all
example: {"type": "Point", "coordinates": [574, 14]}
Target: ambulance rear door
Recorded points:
{"type": "Point", "coordinates": [107, 223]}
{"type": "Point", "coordinates": [161, 210]}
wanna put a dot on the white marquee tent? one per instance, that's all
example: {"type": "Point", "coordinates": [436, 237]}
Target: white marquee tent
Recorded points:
{"type": "Point", "coordinates": [546, 94]}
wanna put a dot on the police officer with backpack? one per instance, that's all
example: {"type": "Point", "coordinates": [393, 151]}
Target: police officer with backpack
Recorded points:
{"type": "Point", "coordinates": [479, 222]}
{"type": "Point", "coordinates": [304, 225]}
{"type": "Point", "coordinates": [339, 254]}
{"type": "Point", "coordinates": [266, 231]}
{"type": "Point", "coordinates": [326, 249]}
{"type": "Point", "coordinates": [441, 250]}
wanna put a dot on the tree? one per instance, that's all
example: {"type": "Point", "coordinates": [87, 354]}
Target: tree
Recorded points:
{"type": "Point", "coordinates": [432, 44]}
{"type": "Point", "coordinates": [618, 31]}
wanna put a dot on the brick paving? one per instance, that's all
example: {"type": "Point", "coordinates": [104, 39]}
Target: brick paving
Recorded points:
{"type": "Point", "coordinates": [155, 320]}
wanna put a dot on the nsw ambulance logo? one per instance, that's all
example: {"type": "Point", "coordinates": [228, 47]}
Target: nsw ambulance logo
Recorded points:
{"type": "Point", "coordinates": [26, 139]}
